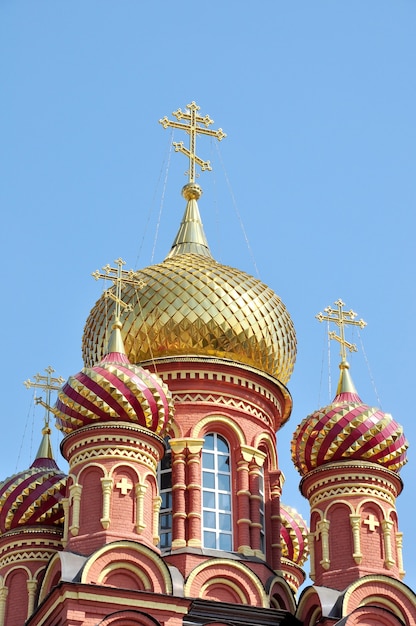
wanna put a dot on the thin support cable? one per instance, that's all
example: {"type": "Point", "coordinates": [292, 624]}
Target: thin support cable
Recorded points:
{"type": "Point", "coordinates": [369, 371]}
{"type": "Point", "coordinates": [243, 230]}
{"type": "Point", "coordinates": [162, 199]}
{"type": "Point", "coordinates": [150, 212]}
{"type": "Point", "coordinates": [30, 413]}
{"type": "Point", "coordinates": [152, 358]}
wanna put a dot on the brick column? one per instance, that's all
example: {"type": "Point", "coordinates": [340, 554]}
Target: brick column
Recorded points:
{"type": "Point", "coordinates": [275, 478]}
{"type": "Point", "coordinates": [243, 504]}
{"type": "Point", "coordinates": [178, 447]}
{"type": "Point", "coordinates": [193, 464]}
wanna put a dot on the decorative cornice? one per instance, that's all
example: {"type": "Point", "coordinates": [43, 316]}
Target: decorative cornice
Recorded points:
{"type": "Point", "coordinates": [351, 479]}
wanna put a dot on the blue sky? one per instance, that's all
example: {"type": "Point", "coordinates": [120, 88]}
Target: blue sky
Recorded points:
{"type": "Point", "coordinates": [318, 101]}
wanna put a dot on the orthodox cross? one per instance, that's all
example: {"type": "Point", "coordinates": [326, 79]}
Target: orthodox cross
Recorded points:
{"type": "Point", "coordinates": [47, 383]}
{"type": "Point", "coordinates": [119, 277]}
{"type": "Point", "coordinates": [193, 128]}
{"type": "Point", "coordinates": [341, 318]}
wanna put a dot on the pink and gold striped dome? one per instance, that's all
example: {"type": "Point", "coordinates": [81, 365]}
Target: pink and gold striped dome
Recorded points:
{"type": "Point", "coordinates": [33, 497]}
{"type": "Point", "coordinates": [346, 430]}
{"type": "Point", "coordinates": [293, 535]}
{"type": "Point", "coordinates": [114, 390]}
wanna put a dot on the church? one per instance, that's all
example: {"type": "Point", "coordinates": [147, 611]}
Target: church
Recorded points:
{"type": "Point", "coordinates": [171, 512]}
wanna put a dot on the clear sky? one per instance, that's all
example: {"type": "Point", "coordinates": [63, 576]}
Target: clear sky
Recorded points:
{"type": "Point", "coordinates": [313, 190]}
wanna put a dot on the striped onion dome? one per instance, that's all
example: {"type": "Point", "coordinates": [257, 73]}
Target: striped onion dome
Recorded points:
{"type": "Point", "coordinates": [33, 496]}
{"type": "Point", "coordinates": [293, 535]}
{"type": "Point", "coordinates": [347, 430]}
{"type": "Point", "coordinates": [191, 305]}
{"type": "Point", "coordinates": [114, 390]}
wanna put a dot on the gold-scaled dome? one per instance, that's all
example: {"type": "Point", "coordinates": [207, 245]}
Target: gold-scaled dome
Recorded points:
{"type": "Point", "coordinates": [192, 305]}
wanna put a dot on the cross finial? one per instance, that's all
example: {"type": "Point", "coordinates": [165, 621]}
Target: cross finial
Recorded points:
{"type": "Point", "coordinates": [193, 128]}
{"type": "Point", "coordinates": [47, 383]}
{"type": "Point", "coordinates": [118, 276]}
{"type": "Point", "coordinates": [341, 318]}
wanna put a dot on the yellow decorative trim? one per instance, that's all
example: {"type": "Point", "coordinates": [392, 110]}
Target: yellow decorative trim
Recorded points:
{"type": "Point", "coordinates": [110, 453]}
{"type": "Point", "coordinates": [224, 583]}
{"type": "Point", "coordinates": [140, 492]}
{"type": "Point", "coordinates": [209, 419]}
{"type": "Point", "coordinates": [355, 521]}
{"type": "Point", "coordinates": [75, 492]}
{"type": "Point", "coordinates": [394, 584]}
{"type": "Point", "coordinates": [270, 443]}
{"type": "Point", "coordinates": [107, 487]}
{"type": "Point", "coordinates": [132, 547]}
{"type": "Point", "coordinates": [350, 489]}
{"type": "Point", "coordinates": [21, 557]}
{"type": "Point", "coordinates": [138, 603]}
{"type": "Point", "coordinates": [225, 400]}
{"type": "Point", "coordinates": [117, 566]}
{"type": "Point", "coordinates": [217, 563]}
{"type": "Point", "coordinates": [250, 453]}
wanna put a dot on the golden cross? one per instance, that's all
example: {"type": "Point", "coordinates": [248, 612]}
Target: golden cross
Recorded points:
{"type": "Point", "coordinates": [341, 318]}
{"type": "Point", "coordinates": [193, 129]}
{"type": "Point", "coordinates": [47, 383]}
{"type": "Point", "coordinates": [119, 277]}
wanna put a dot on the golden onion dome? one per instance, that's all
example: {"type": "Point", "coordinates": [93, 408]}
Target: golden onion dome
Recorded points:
{"type": "Point", "coordinates": [192, 305]}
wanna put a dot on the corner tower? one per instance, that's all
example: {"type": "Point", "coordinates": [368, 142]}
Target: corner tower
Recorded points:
{"type": "Point", "coordinates": [349, 455]}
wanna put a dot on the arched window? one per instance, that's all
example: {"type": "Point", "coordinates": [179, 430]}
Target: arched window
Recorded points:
{"type": "Point", "coordinates": [164, 477]}
{"type": "Point", "coordinates": [216, 494]}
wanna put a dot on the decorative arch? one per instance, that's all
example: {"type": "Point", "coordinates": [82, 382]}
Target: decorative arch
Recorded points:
{"type": "Point", "coordinates": [52, 576]}
{"type": "Point", "coordinates": [223, 426]}
{"type": "Point", "coordinates": [123, 560]}
{"type": "Point", "coordinates": [226, 581]}
{"type": "Point", "coordinates": [265, 440]}
{"type": "Point", "coordinates": [383, 592]}
{"type": "Point", "coordinates": [280, 594]}
{"type": "Point", "coordinates": [309, 610]}
{"type": "Point", "coordinates": [128, 617]}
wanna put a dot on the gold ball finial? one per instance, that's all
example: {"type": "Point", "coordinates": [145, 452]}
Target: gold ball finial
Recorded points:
{"type": "Point", "coordinates": [191, 191]}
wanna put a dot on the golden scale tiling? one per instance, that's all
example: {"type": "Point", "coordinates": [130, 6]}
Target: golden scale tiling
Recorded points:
{"type": "Point", "coordinates": [192, 305]}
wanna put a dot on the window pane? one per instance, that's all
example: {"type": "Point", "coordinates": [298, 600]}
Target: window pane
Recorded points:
{"type": "Point", "coordinates": [222, 445]}
{"type": "Point", "coordinates": [208, 461]}
{"type": "Point", "coordinates": [224, 502]}
{"type": "Point", "coordinates": [225, 542]}
{"type": "Point", "coordinates": [224, 463]}
{"type": "Point", "coordinates": [225, 521]}
{"type": "Point", "coordinates": [208, 480]}
{"type": "Point", "coordinates": [224, 482]}
{"type": "Point", "coordinates": [166, 480]}
{"type": "Point", "coordinates": [209, 519]}
{"type": "Point", "coordinates": [209, 442]}
{"type": "Point", "coordinates": [209, 499]}
{"type": "Point", "coordinates": [166, 500]}
{"type": "Point", "coordinates": [166, 521]}
{"type": "Point", "coordinates": [209, 540]}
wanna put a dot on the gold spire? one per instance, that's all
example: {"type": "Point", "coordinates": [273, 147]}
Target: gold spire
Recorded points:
{"type": "Point", "coordinates": [47, 383]}
{"type": "Point", "coordinates": [191, 237]}
{"type": "Point", "coordinates": [341, 318]}
{"type": "Point", "coordinates": [118, 276]}
{"type": "Point", "coordinates": [193, 129]}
